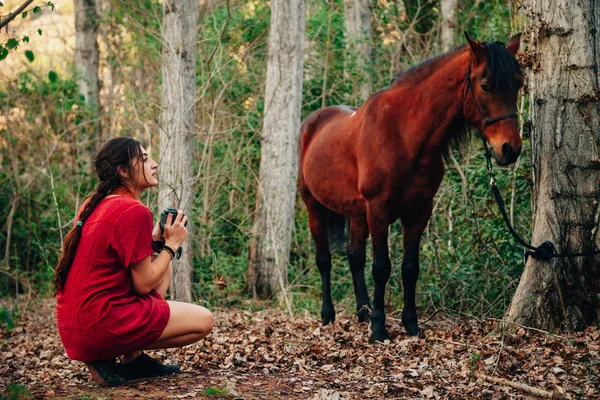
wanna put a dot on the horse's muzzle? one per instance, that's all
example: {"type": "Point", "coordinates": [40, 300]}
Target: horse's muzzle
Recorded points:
{"type": "Point", "coordinates": [509, 155]}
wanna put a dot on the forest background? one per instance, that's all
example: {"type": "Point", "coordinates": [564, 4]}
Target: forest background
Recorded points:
{"type": "Point", "coordinates": [469, 263]}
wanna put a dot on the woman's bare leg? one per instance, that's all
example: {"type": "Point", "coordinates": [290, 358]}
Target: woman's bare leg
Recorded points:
{"type": "Point", "coordinates": [164, 284]}
{"type": "Point", "coordinates": [188, 323]}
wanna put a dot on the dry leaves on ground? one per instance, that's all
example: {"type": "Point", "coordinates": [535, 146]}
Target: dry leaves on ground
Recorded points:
{"type": "Point", "coordinates": [270, 355]}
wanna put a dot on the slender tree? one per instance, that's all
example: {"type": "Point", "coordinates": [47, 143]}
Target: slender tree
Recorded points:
{"type": "Point", "coordinates": [565, 140]}
{"type": "Point", "coordinates": [279, 161]}
{"type": "Point", "coordinates": [357, 23]}
{"type": "Point", "coordinates": [86, 67]}
{"type": "Point", "coordinates": [177, 132]}
{"type": "Point", "coordinates": [449, 21]}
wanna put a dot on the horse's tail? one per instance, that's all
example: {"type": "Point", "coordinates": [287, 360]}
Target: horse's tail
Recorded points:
{"type": "Point", "coordinates": [336, 232]}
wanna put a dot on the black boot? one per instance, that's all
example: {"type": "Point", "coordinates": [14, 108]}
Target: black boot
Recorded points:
{"type": "Point", "coordinates": [104, 373]}
{"type": "Point", "coordinates": [144, 366]}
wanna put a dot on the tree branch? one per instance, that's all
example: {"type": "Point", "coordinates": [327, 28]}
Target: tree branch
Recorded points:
{"type": "Point", "coordinates": [526, 388]}
{"type": "Point", "coordinates": [13, 15]}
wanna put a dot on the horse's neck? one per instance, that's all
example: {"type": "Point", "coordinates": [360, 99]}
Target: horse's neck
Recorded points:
{"type": "Point", "coordinates": [438, 99]}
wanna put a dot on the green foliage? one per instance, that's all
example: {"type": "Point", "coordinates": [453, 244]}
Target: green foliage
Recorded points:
{"type": "Point", "coordinates": [17, 392]}
{"type": "Point", "coordinates": [13, 43]}
{"type": "Point", "coordinates": [469, 263]}
{"type": "Point", "coordinates": [30, 56]}
{"type": "Point", "coordinates": [212, 391]}
{"type": "Point", "coordinates": [6, 318]}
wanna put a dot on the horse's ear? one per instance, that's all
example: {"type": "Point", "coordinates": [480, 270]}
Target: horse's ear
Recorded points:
{"type": "Point", "coordinates": [478, 51]}
{"type": "Point", "coordinates": [513, 44]}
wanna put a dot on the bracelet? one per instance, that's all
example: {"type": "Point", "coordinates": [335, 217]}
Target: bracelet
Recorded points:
{"type": "Point", "coordinates": [169, 250]}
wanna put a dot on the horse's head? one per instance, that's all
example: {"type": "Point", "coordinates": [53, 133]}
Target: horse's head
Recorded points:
{"type": "Point", "coordinates": [490, 98]}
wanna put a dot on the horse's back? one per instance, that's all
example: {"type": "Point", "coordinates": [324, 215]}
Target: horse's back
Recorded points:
{"type": "Point", "coordinates": [315, 121]}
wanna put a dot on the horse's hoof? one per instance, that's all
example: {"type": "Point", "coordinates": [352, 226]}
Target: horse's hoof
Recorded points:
{"type": "Point", "coordinates": [380, 336]}
{"type": "Point", "coordinates": [363, 315]}
{"type": "Point", "coordinates": [329, 319]}
{"type": "Point", "coordinates": [412, 329]}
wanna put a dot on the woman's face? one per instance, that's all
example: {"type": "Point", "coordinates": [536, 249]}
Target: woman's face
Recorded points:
{"type": "Point", "coordinates": [143, 174]}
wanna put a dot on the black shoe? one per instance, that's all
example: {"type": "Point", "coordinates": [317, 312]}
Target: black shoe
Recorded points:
{"type": "Point", "coordinates": [144, 366]}
{"type": "Point", "coordinates": [104, 373]}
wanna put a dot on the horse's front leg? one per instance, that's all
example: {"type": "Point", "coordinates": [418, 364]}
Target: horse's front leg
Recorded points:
{"type": "Point", "coordinates": [378, 227]}
{"type": "Point", "coordinates": [412, 230]}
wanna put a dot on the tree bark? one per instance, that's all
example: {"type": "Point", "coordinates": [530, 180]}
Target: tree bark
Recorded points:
{"type": "Point", "coordinates": [357, 22]}
{"type": "Point", "coordinates": [563, 293]}
{"type": "Point", "coordinates": [177, 134]}
{"type": "Point", "coordinates": [449, 23]}
{"type": "Point", "coordinates": [86, 68]}
{"type": "Point", "coordinates": [279, 161]}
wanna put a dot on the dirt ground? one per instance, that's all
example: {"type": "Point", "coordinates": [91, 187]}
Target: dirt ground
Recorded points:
{"type": "Point", "coordinates": [270, 355]}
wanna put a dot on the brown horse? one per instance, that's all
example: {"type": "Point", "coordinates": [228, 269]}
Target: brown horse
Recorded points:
{"type": "Point", "coordinates": [384, 161]}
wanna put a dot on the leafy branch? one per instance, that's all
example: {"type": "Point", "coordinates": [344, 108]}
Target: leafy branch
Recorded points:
{"type": "Point", "coordinates": [13, 15]}
{"type": "Point", "coordinates": [13, 43]}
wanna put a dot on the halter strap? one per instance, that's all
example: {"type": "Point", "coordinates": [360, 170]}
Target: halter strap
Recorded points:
{"type": "Point", "coordinates": [486, 121]}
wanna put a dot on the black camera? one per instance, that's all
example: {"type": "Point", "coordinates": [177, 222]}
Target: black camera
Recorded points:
{"type": "Point", "coordinates": [165, 214]}
{"type": "Point", "coordinates": [163, 223]}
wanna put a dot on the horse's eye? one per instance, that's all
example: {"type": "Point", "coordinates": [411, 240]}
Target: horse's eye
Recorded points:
{"type": "Point", "coordinates": [484, 85]}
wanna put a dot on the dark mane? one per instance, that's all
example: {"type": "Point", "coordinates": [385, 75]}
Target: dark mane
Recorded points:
{"type": "Point", "coordinates": [425, 67]}
{"type": "Point", "coordinates": [501, 68]}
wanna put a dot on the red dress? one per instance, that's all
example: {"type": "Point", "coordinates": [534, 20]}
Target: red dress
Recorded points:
{"type": "Point", "coordinates": [98, 314]}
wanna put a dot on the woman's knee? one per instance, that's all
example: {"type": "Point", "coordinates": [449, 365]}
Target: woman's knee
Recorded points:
{"type": "Point", "coordinates": [205, 321]}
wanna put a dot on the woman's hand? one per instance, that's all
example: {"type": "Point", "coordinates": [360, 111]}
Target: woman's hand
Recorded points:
{"type": "Point", "coordinates": [175, 232]}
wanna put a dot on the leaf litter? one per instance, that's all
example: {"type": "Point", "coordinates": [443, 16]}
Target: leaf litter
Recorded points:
{"type": "Point", "coordinates": [270, 355]}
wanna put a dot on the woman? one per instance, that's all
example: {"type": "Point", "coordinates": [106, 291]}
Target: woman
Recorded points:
{"type": "Point", "coordinates": [109, 288]}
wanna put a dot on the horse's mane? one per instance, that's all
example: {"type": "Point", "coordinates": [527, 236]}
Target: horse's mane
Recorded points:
{"type": "Point", "coordinates": [501, 69]}
{"type": "Point", "coordinates": [425, 68]}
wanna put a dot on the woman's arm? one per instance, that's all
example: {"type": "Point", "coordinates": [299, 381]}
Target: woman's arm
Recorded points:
{"type": "Point", "coordinates": [148, 274]}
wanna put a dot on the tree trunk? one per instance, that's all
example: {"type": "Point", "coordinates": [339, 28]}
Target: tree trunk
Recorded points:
{"type": "Point", "coordinates": [357, 21]}
{"type": "Point", "coordinates": [449, 23]}
{"type": "Point", "coordinates": [279, 161]}
{"type": "Point", "coordinates": [177, 132]}
{"type": "Point", "coordinates": [86, 68]}
{"type": "Point", "coordinates": [563, 293]}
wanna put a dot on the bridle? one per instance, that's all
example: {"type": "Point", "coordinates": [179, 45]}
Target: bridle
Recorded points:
{"type": "Point", "coordinates": [544, 251]}
{"type": "Point", "coordinates": [469, 87]}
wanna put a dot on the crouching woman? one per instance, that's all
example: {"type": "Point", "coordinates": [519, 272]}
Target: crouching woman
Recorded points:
{"type": "Point", "coordinates": [110, 288]}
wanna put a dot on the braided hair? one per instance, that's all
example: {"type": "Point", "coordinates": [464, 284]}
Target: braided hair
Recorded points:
{"type": "Point", "coordinates": [119, 152]}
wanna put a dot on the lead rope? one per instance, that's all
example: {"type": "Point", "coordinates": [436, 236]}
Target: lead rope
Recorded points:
{"type": "Point", "coordinates": [544, 251]}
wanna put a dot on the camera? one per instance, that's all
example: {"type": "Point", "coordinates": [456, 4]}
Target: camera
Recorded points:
{"type": "Point", "coordinates": [165, 214]}
{"type": "Point", "coordinates": [163, 223]}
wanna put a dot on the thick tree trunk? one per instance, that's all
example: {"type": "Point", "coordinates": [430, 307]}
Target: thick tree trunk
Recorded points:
{"type": "Point", "coordinates": [449, 22]}
{"type": "Point", "coordinates": [357, 21]}
{"type": "Point", "coordinates": [279, 161]}
{"type": "Point", "coordinates": [177, 135]}
{"type": "Point", "coordinates": [86, 68]}
{"type": "Point", "coordinates": [563, 293]}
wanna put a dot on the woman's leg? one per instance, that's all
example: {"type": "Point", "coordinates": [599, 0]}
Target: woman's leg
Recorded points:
{"type": "Point", "coordinates": [164, 284]}
{"type": "Point", "coordinates": [188, 323]}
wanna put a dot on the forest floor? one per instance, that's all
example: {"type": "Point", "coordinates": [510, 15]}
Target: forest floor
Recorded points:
{"type": "Point", "coordinates": [268, 355]}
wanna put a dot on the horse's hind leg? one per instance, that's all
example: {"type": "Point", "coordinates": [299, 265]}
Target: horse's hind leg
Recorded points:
{"type": "Point", "coordinates": [412, 231]}
{"type": "Point", "coordinates": [317, 221]}
{"type": "Point", "coordinates": [359, 232]}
